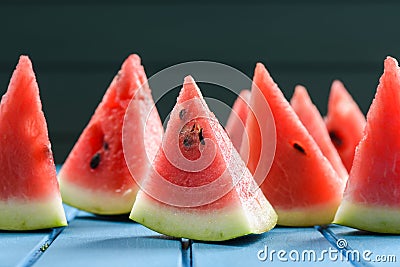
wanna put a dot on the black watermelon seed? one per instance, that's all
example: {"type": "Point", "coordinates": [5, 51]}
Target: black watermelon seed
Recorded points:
{"type": "Point", "coordinates": [182, 114]}
{"type": "Point", "coordinates": [299, 148]}
{"type": "Point", "coordinates": [336, 140]}
{"type": "Point", "coordinates": [95, 161]}
{"type": "Point", "coordinates": [105, 146]}
{"type": "Point", "coordinates": [187, 141]}
{"type": "Point", "coordinates": [201, 137]}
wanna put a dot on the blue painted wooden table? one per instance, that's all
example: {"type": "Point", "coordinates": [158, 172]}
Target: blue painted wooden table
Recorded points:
{"type": "Point", "coordinates": [91, 240]}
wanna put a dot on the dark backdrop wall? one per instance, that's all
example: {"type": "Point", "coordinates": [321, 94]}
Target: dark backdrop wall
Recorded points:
{"type": "Point", "coordinates": [78, 46]}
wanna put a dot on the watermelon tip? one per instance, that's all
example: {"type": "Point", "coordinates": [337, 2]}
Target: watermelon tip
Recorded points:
{"type": "Point", "coordinates": [24, 60]}
{"type": "Point", "coordinates": [337, 84]}
{"type": "Point", "coordinates": [189, 80]}
{"type": "Point", "coordinates": [390, 63]}
{"type": "Point", "coordinates": [300, 89]}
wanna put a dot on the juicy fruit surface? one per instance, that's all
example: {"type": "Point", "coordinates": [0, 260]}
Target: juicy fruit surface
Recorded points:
{"type": "Point", "coordinates": [315, 125]}
{"type": "Point", "coordinates": [190, 146]}
{"type": "Point", "coordinates": [300, 178]}
{"type": "Point", "coordinates": [188, 156]}
{"type": "Point", "coordinates": [374, 185]}
{"type": "Point", "coordinates": [374, 176]}
{"type": "Point", "coordinates": [96, 164]}
{"type": "Point", "coordinates": [199, 178]}
{"type": "Point", "coordinates": [25, 154]}
{"type": "Point", "coordinates": [28, 173]}
{"type": "Point", "coordinates": [345, 123]}
{"type": "Point", "coordinates": [236, 122]}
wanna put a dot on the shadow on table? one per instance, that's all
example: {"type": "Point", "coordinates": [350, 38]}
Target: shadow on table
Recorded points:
{"type": "Point", "coordinates": [109, 218]}
{"type": "Point", "coordinates": [129, 242]}
{"type": "Point", "coordinates": [13, 232]}
{"type": "Point", "coordinates": [241, 241]}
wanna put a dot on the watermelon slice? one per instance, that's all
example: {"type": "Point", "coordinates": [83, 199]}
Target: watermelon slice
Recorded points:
{"type": "Point", "coordinates": [236, 122]}
{"type": "Point", "coordinates": [95, 176]}
{"type": "Point", "coordinates": [314, 123]}
{"type": "Point", "coordinates": [345, 123]}
{"type": "Point", "coordinates": [29, 195]}
{"type": "Point", "coordinates": [301, 185]}
{"type": "Point", "coordinates": [372, 196]}
{"type": "Point", "coordinates": [199, 187]}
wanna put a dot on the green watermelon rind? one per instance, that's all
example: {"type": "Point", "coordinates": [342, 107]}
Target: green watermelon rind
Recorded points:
{"type": "Point", "coordinates": [211, 225]}
{"type": "Point", "coordinates": [17, 215]}
{"type": "Point", "coordinates": [96, 201]}
{"type": "Point", "coordinates": [378, 219]}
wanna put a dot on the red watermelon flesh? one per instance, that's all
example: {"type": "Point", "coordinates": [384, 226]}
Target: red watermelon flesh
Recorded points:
{"type": "Point", "coordinates": [199, 178]}
{"type": "Point", "coordinates": [311, 118]}
{"type": "Point", "coordinates": [29, 194]}
{"type": "Point", "coordinates": [236, 122]}
{"type": "Point", "coordinates": [345, 123]}
{"type": "Point", "coordinates": [372, 195]}
{"type": "Point", "coordinates": [95, 176]}
{"type": "Point", "coordinates": [301, 185]}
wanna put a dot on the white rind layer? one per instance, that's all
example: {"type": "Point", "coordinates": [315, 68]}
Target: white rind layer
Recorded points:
{"type": "Point", "coordinates": [96, 201]}
{"type": "Point", "coordinates": [311, 216]}
{"type": "Point", "coordinates": [31, 214]}
{"type": "Point", "coordinates": [198, 224]}
{"type": "Point", "coordinates": [379, 219]}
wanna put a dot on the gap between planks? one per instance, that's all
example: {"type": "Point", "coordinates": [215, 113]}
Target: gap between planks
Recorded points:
{"type": "Point", "coordinates": [333, 239]}
{"type": "Point", "coordinates": [187, 259]}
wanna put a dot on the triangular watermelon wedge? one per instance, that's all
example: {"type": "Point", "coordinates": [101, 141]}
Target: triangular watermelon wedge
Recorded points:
{"type": "Point", "coordinates": [311, 118]}
{"type": "Point", "coordinates": [301, 185]}
{"type": "Point", "coordinates": [95, 176]}
{"type": "Point", "coordinates": [29, 195]}
{"type": "Point", "coordinates": [372, 197]}
{"type": "Point", "coordinates": [236, 122]}
{"type": "Point", "coordinates": [199, 187]}
{"type": "Point", "coordinates": [345, 123]}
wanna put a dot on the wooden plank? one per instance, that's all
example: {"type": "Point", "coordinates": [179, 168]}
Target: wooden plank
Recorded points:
{"type": "Point", "coordinates": [106, 241]}
{"type": "Point", "coordinates": [245, 251]}
{"type": "Point", "coordinates": [14, 246]}
{"type": "Point", "coordinates": [368, 248]}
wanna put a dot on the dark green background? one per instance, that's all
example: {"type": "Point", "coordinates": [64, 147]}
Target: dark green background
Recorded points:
{"type": "Point", "coordinates": [78, 46]}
